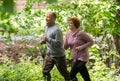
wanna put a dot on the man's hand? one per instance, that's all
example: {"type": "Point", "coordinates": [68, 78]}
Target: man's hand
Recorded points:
{"type": "Point", "coordinates": [43, 40]}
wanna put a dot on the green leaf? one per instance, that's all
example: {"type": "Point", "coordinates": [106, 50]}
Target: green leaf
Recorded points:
{"type": "Point", "coordinates": [8, 6]}
{"type": "Point", "coordinates": [51, 1]}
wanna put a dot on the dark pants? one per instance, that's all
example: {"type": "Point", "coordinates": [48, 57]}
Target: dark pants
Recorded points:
{"type": "Point", "coordinates": [79, 66]}
{"type": "Point", "coordinates": [60, 63]}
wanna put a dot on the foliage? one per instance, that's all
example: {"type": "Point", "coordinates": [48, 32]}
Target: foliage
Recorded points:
{"type": "Point", "coordinates": [95, 16]}
{"type": "Point", "coordinates": [24, 71]}
{"type": "Point", "coordinates": [32, 24]}
{"type": "Point", "coordinates": [98, 18]}
{"type": "Point", "coordinates": [101, 73]}
{"type": "Point", "coordinates": [29, 71]}
{"type": "Point", "coordinates": [6, 11]}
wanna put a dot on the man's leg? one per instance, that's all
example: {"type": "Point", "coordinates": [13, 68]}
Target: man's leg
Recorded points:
{"type": "Point", "coordinates": [47, 66]}
{"type": "Point", "coordinates": [62, 67]}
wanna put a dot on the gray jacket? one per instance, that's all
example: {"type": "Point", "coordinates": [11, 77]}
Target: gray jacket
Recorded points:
{"type": "Point", "coordinates": [54, 41]}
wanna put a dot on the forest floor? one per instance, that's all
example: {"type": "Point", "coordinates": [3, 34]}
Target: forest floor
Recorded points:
{"type": "Point", "coordinates": [18, 49]}
{"type": "Point", "coordinates": [22, 49]}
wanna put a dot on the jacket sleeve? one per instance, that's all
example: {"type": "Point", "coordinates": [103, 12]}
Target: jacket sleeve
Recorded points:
{"type": "Point", "coordinates": [57, 40]}
{"type": "Point", "coordinates": [87, 39]}
{"type": "Point", "coordinates": [66, 46]}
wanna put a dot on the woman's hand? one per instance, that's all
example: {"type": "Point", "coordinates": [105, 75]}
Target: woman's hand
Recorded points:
{"type": "Point", "coordinates": [78, 48]}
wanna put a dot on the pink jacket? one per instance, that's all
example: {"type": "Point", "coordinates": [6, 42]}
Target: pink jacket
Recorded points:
{"type": "Point", "coordinates": [81, 39]}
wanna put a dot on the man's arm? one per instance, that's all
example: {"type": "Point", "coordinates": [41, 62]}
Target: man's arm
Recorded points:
{"type": "Point", "coordinates": [57, 40]}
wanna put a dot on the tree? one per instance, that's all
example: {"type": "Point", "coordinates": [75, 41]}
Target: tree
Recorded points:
{"type": "Point", "coordinates": [117, 35]}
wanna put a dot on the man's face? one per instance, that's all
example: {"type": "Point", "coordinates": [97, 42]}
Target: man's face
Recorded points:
{"type": "Point", "coordinates": [50, 18]}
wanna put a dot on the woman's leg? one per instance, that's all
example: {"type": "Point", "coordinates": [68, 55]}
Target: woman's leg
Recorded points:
{"type": "Point", "coordinates": [74, 71]}
{"type": "Point", "coordinates": [84, 72]}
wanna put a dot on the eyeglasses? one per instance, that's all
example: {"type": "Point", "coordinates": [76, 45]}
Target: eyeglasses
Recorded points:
{"type": "Point", "coordinates": [70, 24]}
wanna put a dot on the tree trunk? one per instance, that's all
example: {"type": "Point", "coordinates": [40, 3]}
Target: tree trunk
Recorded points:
{"type": "Point", "coordinates": [117, 44]}
{"type": "Point", "coordinates": [117, 37]}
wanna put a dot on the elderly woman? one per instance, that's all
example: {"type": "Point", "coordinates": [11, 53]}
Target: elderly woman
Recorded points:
{"type": "Point", "coordinates": [78, 41]}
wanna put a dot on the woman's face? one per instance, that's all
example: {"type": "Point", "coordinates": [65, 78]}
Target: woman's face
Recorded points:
{"type": "Point", "coordinates": [71, 25]}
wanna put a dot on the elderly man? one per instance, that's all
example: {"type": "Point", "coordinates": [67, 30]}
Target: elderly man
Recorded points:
{"type": "Point", "coordinates": [53, 38]}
